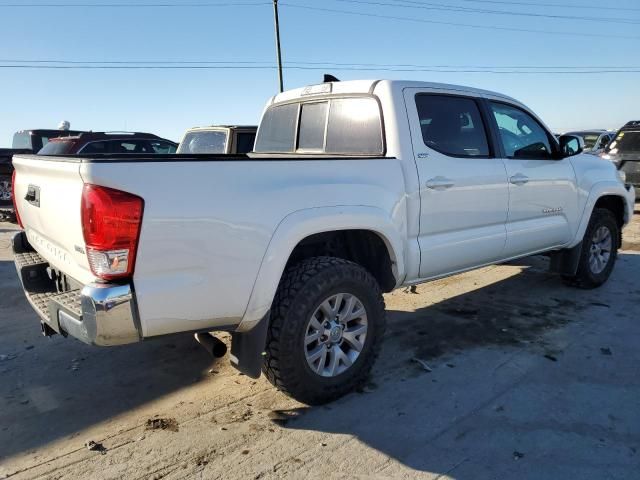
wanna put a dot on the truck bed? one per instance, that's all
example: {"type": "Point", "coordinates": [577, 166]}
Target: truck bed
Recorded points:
{"type": "Point", "coordinates": [207, 222]}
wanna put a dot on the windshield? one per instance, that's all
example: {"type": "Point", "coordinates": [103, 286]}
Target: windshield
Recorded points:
{"type": "Point", "coordinates": [204, 141]}
{"type": "Point", "coordinates": [21, 140]}
{"type": "Point", "coordinates": [590, 140]}
{"type": "Point", "coordinates": [625, 142]}
{"type": "Point", "coordinates": [56, 148]}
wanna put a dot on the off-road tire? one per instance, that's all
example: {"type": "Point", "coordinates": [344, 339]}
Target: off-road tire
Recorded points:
{"type": "Point", "coordinates": [302, 288]}
{"type": "Point", "coordinates": [584, 277]}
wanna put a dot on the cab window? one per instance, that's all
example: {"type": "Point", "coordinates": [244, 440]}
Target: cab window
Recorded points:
{"type": "Point", "coordinates": [452, 125]}
{"type": "Point", "coordinates": [163, 147]}
{"type": "Point", "coordinates": [245, 141]}
{"type": "Point", "coordinates": [340, 126]}
{"type": "Point", "coordinates": [521, 135]}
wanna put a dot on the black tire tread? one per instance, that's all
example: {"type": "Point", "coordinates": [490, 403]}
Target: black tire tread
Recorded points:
{"type": "Point", "coordinates": [293, 281]}
{"type": "Point", "coordinates": [583, 278]}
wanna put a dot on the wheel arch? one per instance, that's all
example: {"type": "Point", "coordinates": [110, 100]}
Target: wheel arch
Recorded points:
{"type": "Point", "coordinates": [303, 229]}
{"type": "Point", "coordinates": [609, 195]}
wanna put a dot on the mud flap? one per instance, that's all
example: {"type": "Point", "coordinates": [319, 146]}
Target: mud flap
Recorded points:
{"type": "Point", "coordinates": [247, 348]}
{"type": "Point", "coordinates": [565, 262]}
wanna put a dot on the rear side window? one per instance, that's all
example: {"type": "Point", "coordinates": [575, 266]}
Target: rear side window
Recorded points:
{"type": "Point", "coordinates": [56, 148]}
{"type": "Point", "coordinates": [203, 141]}
{"type": "Point", "coordinates": [354, 127]}
{"type": "Point", "coordinates": [277, 132]}
{"type": "Point", "coordinates": [163, 147]}
{"type": "Point", "coordinates": [452, 125]}
{"type": "Point", "coordinates": [341, 126]}
{"type": "Point", "coordinates": [245, 141]}
{"type": "Point", "coordinates": [94, 148]}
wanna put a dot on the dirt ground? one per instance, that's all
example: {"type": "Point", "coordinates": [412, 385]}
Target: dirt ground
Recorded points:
{"type": "Point", "coordinates": [529, 379]}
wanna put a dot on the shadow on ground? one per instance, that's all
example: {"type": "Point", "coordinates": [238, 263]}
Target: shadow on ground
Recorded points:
{"type": "Point", "coordinates": [57, 387]}
{"type": "Point", "coordinates": [416, 418]}
{"type": "Point", "coordinates": [526, 395]}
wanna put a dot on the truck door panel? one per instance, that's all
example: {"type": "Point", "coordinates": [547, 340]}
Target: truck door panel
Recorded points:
{"type": "Point", "coordinates": [463, 187]}
{"type": "Point", "coordinates": [542, 192]}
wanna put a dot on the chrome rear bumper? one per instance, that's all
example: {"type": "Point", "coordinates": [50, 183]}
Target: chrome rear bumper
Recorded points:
{"type": "Point", "coordinates": [97, 314]}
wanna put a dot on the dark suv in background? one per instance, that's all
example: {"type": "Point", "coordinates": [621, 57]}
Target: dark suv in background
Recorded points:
{"type": "Point", "coordinates": [24, 141]}
{"type": "Point", "coordinates": [624, 151]}
{"type": "Point", "coordinates": [109, 143]}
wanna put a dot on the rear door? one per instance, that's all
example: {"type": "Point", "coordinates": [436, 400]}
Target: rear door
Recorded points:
{"type": "Point", "coordinates": [463, 184]}
{"type": "Point", "coordinates": [543, 199]}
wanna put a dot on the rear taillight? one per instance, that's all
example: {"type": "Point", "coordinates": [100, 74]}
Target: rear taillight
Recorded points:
{"type": "Point", "coordinates": [111, 222]}
{"type": "Point", "coordinates": [13, 198]}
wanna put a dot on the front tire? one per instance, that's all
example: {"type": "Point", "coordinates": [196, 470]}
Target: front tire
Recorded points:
{"type": "Point", "coordinates": [327, 323]}
{"type": "Point", "coordinates": [599, 251]}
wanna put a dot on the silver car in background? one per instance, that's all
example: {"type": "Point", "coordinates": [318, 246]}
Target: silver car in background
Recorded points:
{"type": "Point", "coordinates": [594, 140]}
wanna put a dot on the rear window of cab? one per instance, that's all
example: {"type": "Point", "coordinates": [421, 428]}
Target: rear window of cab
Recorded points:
{"type": "Point", "coordinates": [339, 126]}
{"type": "Point", "coordinates": [55, 147]}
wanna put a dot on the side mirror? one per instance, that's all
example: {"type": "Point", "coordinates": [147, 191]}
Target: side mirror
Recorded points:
{"type": "Point", "coordinates": [571, 145]}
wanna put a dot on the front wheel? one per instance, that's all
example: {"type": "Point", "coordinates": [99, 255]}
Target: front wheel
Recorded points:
{"type": "Point", "coordinates": [599, 251]}
{"type": "Point", "coordinates": [327, 322]}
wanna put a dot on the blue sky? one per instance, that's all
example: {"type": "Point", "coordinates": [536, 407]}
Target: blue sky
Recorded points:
{"type": "Point", "coordinates": [167, 102]}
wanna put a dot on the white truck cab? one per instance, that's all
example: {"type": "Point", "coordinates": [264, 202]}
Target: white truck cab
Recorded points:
{"type": "Point", "coordinates": [229, 139]}
{"type": "Point", "coordinates": [352, 189]}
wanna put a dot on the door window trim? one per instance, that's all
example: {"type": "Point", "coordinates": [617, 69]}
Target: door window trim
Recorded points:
{"type": "Point", "coordinates": [483, 116]}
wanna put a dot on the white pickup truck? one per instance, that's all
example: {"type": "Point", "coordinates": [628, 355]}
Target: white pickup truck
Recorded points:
{"type": "Point", "coordinates": [353, 189]}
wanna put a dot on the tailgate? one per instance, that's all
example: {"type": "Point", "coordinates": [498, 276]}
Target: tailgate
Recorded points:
{"type": "Point", "coordinates": [48, 194]}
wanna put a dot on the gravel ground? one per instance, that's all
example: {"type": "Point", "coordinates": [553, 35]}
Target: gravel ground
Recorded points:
{"type": "Point", "coordinates": [529, 379]}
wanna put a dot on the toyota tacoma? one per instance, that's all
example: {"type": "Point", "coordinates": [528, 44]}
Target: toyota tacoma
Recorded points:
{"type": "Point", "coordinates": [353, 189]}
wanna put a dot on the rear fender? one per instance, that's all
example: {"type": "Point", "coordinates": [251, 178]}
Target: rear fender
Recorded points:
{"type": "Point", "coordinates": [299, 225]}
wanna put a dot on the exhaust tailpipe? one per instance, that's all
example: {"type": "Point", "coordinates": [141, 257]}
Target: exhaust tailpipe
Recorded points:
{"type": "Point", "coordinates": [216, 347]}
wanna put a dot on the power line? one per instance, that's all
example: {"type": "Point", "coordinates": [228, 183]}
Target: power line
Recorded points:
{"type": "Point", "coordinates": [455, 24]}
{"type": "Point", "coordinates": [133, 5]}
{"type": "Point", "coordinates": [293, 67]}
{"type": "Point", "coordinates": [556, 5]}
{"type": "Point", "coordinates": [452, 8]}
{"type": "Point", "coordinates": [305, 63]}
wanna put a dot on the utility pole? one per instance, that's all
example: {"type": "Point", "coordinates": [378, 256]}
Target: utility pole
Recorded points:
{"type": "Point", "coordinates": [278, 53]}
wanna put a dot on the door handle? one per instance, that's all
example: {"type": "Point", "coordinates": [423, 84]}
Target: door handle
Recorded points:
{"type": "Point", "coordinates": [33, 195]}
{"type": "Point", "coordinates": [439, 183]}
{"type": "Point", "coordinates": [518, 179]}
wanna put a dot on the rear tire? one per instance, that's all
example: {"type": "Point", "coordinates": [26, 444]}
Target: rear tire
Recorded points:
{"type": "Point", "coordinates": [599, 251]}
{"type": "Point", "coordinates": [327, 323]}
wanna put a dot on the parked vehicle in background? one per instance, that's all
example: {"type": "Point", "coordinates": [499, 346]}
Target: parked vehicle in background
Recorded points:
{"type": "Point", "coordinates": [624, 151]}
{"type": "Point", "coordinates": [34, 140]}
{"type": "Point", "coordinates": [91, 143]}
{"type": "Point", "coordinates": [291, 246]}
{"type": "Point", "coordinates": [594, 140]}
{"type": "Point", "coordinates": [24, 141]}
{"type": "Point", "coordinates": [6, 171]}
{"type": "Point", "coordinates": [218, 139]}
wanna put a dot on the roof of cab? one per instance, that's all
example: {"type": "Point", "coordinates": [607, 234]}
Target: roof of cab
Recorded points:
{"type": "Point", "coordinates": [369, 86]}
